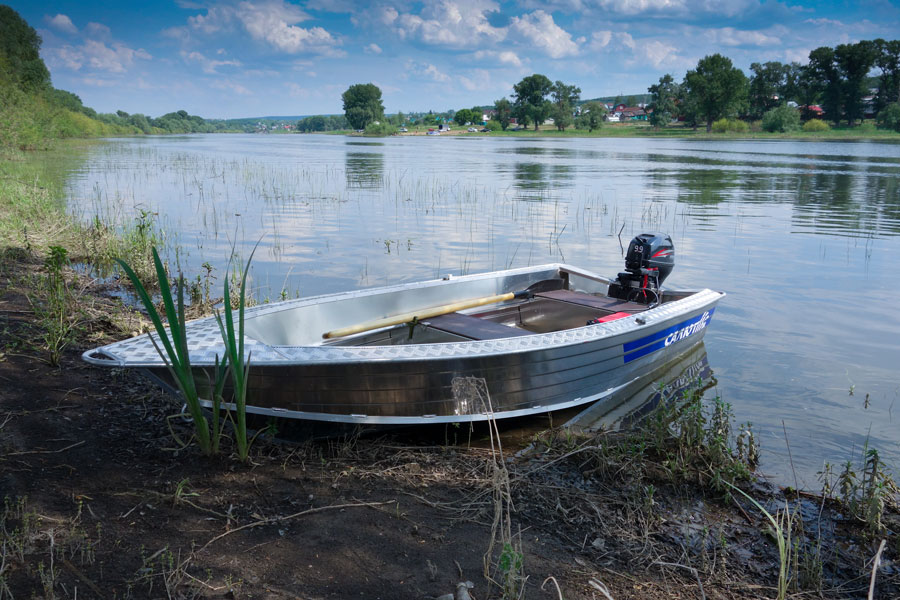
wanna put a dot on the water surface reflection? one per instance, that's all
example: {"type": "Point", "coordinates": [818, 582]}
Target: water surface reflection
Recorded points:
{"type": "Point", "coordinates": [803, 236]}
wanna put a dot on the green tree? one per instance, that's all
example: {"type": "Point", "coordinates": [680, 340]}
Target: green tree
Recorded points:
{"type": "Point", "coordinates": [855, 61]}
{"type": "Point", "coordinates": [781, 119]}
{"type": "Point", "coordinates": [888, 61]}
{"type": "Point", "coordinates": [530, 99]}
{"type": "Point", "coordinates": [463, 116]}
{"type": "Point", "coordinates": [503, 108]}
{"type": "Point", "coordinates": [790, 85]}
{"type": "Point", "coordinates": [362, 105]}
{"type": "Point", "coordinates": [64, 99]}
{"type": "Point", "coordinates": [766, 86]}
{"type": "Point", "coordinates": [662, 103]}
{"type": "Point", "coordinates": [141, 122]}
{"type": "Point", "coordinates": [823, 70]}
{"type": "Point", "coordinates": [889, 117]}
{"type": "Point", "coordinates": [591, 116]}
{"type": "Point", "coordinates": [809, 87]}
{"type": "Point", "coordinates": [718, 88]}
{"type": "Point", "coordinates": [565, 97]}
{"type": "Point", "coordinates": [20, 48]}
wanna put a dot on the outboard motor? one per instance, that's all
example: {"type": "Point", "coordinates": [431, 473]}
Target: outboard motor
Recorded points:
{"type": "Point", "coordinates": [650, 259]}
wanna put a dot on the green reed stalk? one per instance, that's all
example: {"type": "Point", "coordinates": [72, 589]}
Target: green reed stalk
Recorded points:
{"type": "Point", "coordinates": [174, 351]}
{"type": "Point", "coordinates": [234, 355]}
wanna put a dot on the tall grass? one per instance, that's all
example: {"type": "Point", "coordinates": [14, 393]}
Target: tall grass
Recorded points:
{"type": "Point", "coordinates": [239, 365]}
{"type": "Point", "coordinates": [174, 351]}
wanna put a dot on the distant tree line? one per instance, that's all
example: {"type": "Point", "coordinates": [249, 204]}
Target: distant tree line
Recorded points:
{"type": "Point", "coordinates": [322, 123]}
{"type": "Point", "coordinates": [836, 79]}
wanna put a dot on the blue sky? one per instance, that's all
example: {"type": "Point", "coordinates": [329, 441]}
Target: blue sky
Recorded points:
{"type": "Point", "coordinates": [244, 58]}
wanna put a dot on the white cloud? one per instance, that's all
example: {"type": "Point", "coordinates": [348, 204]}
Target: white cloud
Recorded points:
{"type": "Point", "coordinates": [208, 65]}
{"type": "Point", "coordinates": [177, 33]}
{"type": "Point", "coordinates": [729, 36]}
{"type": "Point", "coordinates": [539, 30]}
{"type": "Point", "coordinates": [231, 86]}
{"type": "Point", "coordinates": [271, 21]}
{"type": "Point", "coordinates": [659, 54]}
{"type": "Point", "coordinates": [610, 40]}
{"type": "Point", "coordinates": [497, 58]}
{"type": "Point", "coordinates": [372, 49]}
{"type": "Point", "coordinates": [98, 31]}
{"type": "Point", "coordinates": [800, 55]}
{"type": "Point", "coordinates": [65, 56]}
{"type": "Point", "coordinates": [451, 23]}
{"type": "Point", "coordinates": [216, 19]}
{"type": "Point", "coordinates": [62, 23]}
{"type": "Point", "coordinates": [426, 70]}
{"type": "Point", "coordinates": [296, 91]}
{"type": "Point", "coordinates": [332, 6]}
{"type": "Point", "coordinates": [97, 82]}
{"type": "Point", "coordinates": [480, 81]}
{"type": "Point", "coordinates": [632, 52]}
{"type": "Point", "coordinates": [116, 58]}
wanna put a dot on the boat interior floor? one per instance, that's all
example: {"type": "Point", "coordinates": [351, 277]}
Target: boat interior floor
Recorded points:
{"type": "Point", "coordinates": [613, 305]}
{"type": "Point", "coordinates": [549, 311]}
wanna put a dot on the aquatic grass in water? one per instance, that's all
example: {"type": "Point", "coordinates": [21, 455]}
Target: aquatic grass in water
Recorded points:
{"type": "Point", "coordinates": [759, 219]}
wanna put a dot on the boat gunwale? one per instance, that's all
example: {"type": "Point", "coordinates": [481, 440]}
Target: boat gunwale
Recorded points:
{"type": "Point", "coordinates": [319, 354]}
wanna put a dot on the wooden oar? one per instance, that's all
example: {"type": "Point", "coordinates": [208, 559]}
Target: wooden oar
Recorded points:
{"type": "Point", "coordinates": [427, 313]}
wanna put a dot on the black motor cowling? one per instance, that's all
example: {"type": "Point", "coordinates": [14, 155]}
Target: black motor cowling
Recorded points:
{"type": "Point", "coordinates": [649, 260]}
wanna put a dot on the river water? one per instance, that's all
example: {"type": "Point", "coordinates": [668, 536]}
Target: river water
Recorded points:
{"type": "Point", "coordinates": [803, 236]}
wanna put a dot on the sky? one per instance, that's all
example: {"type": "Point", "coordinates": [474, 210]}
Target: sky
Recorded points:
{"type": "Point", "coordinates": [252, 58]}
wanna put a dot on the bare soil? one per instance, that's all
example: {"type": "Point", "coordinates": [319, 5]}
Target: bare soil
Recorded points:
{"type": "Point", "coordinates": [102, 502]}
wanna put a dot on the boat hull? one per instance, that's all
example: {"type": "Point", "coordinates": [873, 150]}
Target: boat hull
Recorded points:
{"type": "Point", "coordinates": [518, 376]}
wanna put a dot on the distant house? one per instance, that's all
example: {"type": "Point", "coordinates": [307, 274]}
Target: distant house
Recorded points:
{"type": "Point", "coordinates": [814, 109]}
{"type": "Point", "coordinates": [631, 113]}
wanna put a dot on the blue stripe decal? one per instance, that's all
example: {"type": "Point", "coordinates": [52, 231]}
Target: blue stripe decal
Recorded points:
{"type": "Point", "coordinates": [661, 339]}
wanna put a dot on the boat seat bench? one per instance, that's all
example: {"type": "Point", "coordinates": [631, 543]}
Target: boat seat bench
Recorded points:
{"type": "Point", "coordinates": [474, 328]}
{"type": "Point", "coordinates": [604, 303]}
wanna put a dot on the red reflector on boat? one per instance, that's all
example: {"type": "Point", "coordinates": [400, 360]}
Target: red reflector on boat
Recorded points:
{"type": "Point", "coordinates": [613, 317]}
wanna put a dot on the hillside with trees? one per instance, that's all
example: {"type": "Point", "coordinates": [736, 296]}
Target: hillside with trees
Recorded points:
{"type": "Point", "coordinates": [33, 112]}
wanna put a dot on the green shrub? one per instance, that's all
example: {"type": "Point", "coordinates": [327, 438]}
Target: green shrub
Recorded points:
{"type": "Point", "coordinates": [781, 119]}
{"type": "Point", "coordinates": [889, 117]}
{"type": "Point", "coordinates": [494, 125]}
{"type": "Point", "coordinates": [380, 129]}
{"type": "Point", "coordinates": [730, 126]}
{"type": "Point", "coordinates": [816, 125]}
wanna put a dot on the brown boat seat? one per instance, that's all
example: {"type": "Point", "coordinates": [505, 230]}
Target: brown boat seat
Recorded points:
{"type": "Point", "coordinates": [604, 303]}
{"type": "Point", "coordinates": [473, 328]}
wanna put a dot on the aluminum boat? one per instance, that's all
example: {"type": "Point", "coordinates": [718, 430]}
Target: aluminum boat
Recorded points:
{"type": "Point", "coordinates": [538, 339]}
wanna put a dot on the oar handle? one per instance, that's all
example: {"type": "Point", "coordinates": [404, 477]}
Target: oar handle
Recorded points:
{"type": "Point", "coordinates": [425, 313]}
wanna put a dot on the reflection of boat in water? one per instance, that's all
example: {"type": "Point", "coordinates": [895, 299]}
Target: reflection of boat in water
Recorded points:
{"type": "Point", "coordinates": [538, 338]}
{"type": "Point", "coordinates": [668, 382]}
